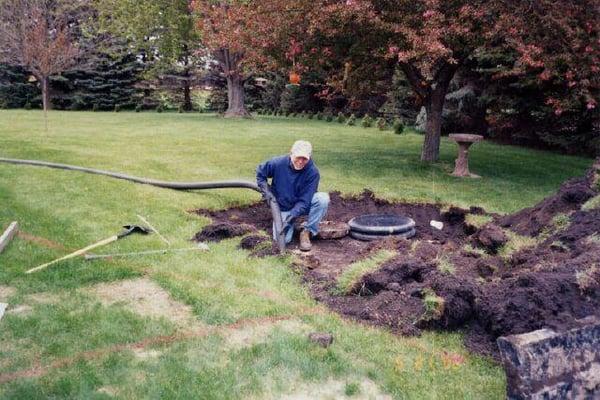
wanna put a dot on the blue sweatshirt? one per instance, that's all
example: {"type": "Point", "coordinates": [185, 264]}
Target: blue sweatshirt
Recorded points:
{"type": "Point", "coordinates": [293, 189]}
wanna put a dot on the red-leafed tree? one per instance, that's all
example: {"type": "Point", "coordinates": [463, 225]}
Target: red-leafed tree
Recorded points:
{"type": "Point", "coordinates": [246, 36]}
{"type": "Point", "coordinates": [560, 41]}
{"type": "Point", "coordinates": [556, 38]}
{"type": "Point", "coordinates": [223, 28]}
{"type": "Point", "coordinates": [431, 39]}
{"type": "Point", "coordinates": [34, 35]}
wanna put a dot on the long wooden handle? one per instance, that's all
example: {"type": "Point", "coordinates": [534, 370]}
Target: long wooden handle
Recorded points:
{"type": "Point", "coordinates": [8, 235]}
{"type": "Point", "coordinates": [75, 254]}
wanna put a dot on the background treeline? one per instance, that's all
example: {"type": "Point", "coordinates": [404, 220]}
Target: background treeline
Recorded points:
{"type": "Point", "coordinates": [133, 68]}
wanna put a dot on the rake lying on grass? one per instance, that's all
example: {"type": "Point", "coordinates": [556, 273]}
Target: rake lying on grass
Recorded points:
{"type": "Point", "coordinates": [129, 229]}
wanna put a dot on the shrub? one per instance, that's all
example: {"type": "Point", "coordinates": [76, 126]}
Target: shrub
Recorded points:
{"type": "Point", "coordinates": [77, 104]}
{"type": "Point", "coordinates": [287, 113]}
{"type": "Point", "coordinates": [398, 126]}
{"type": "Point", "coordinates": [351, 120]}
{"type": "Point", "coordinates": [138, 108]}
{"type": "Point", "coordinates": [341, 118]}
{"type": "Point", "coordinates": [310, 115]}
{"type": "Point", "coordinates": [381, 123]}
{"type": "Point", "coordinates": [293, 115]}
{"type": "Point", "coordinates": [27, 106]}
{"type": "Point", "coordinates": [328, 117]}
{"type": "Point", "coordinates": [160, 108]}
{"type": "Point", "coordinates": [367, 121]}
{"type": "Point", "coordinates": [319, 116]}
{"type": "Point", "coordinates": [215, 101]}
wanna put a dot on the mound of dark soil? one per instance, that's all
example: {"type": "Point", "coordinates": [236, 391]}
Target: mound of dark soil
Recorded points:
{"type": "Point", "coordinates": [259, 246]}
{"type": "Point", "coordinates": [491, 237]}
{"type": "Point", "coordinates": [570, 197]}
{"type": "Point", "coordinates": [251, 242]}
{"type": "Point", "coordinates": [222, 230]}
{"type": "Point", "coordinates": [551, 283]}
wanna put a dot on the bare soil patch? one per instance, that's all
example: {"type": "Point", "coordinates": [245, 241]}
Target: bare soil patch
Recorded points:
{"type": "Point", "coordinates": [43, 298]}
{"type": "Point", "coordinates": [336, 389]}
{"type": "Point", "coordinates": [539, 267]}
{"type": "Point", "coordinates": [254, 334]}
{"type": "Point", "coordinates": [146, 298]}
{"type": "Point", "coordinates": [22, 309]}
{"type": "Point", "coordinates": [40, 240]}
{"type": "Point", "coordinates": [146, 354]}
{"type": "Point", "coordinates": [6, 292]}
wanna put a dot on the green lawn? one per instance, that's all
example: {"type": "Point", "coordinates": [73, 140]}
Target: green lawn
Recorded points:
{"type": "Point", "coordinates": [250, 317]}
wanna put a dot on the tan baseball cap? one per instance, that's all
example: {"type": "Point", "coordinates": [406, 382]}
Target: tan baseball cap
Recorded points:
{"type": "Point", "coordinates": [301, 148]}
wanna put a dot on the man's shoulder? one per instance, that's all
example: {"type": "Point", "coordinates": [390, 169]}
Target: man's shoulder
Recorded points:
{"type": "Point", "coordinates": [279, 160]}
{"type": "Point", "coordinates": [312, 168]}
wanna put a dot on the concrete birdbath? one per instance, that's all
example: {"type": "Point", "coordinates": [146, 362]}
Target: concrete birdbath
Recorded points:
{"type": "Point", "coordinates": [464, 141]}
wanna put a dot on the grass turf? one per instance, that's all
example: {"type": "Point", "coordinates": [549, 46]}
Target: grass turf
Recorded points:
{"type": "Point", "coordinates": [88, 350]}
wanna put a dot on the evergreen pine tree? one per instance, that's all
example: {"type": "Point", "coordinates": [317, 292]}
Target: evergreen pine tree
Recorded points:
{"type": "Point", "coordinates": [15, 88]}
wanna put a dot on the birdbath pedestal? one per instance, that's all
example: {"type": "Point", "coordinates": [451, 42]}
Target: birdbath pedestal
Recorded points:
{"type": "Point", "coordinates": [464, 141]}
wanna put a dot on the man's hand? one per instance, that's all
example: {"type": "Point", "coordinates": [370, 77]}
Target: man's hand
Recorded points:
{"type": "Point", "coordinates": [288, 223]}
{"type": "Point", "coordinates": [266, 193]}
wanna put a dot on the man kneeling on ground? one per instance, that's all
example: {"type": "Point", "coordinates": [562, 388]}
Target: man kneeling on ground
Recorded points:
{"type": "Point", "coordinates": [294, 183]}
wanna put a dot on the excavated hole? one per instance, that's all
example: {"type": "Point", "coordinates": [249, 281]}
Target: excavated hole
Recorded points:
{"type": "Point", "coordinates": [487, 280]}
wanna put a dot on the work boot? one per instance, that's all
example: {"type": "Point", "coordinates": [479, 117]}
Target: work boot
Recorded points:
{"type": "Point", "coordinates": [305, 240]}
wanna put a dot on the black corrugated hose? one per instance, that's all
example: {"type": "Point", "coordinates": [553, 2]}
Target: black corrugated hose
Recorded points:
{"type": "Point", "coordinates": [275, 211]}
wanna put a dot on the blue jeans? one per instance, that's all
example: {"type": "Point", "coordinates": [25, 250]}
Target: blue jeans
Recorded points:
{"type": "Point", "coordinates": [318, 209]}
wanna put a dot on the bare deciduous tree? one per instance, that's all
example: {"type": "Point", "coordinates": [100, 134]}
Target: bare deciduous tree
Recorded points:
{"type": "Point", "coordinates": [34, 35]}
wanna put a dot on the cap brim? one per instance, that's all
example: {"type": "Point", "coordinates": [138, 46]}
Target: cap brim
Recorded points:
{"type": "Point", "coordinates": [301, 155]}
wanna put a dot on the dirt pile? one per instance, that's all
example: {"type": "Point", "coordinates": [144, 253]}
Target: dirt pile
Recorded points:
{"type": "Point", "coordinates": [539, 267]}
{"type": "Point", "coordinates": [570, 197]}
{"type": "Point", "coordinates": [222, 230]}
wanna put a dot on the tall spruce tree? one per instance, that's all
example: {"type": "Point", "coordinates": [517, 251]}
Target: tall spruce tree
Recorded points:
{"type": "Point", "coordinates": [16, 89]}
{"type": "Point", "coordinates": [164, 30]}
{"type": "Point", "coordinates": [106, 81]}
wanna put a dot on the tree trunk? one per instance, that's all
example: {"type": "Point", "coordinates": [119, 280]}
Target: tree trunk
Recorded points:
{"type": "Point", "coordinates": [187, 98]}
{"type": "Point", "coordinates": [45, 96]}
{"type": "Point", "coordinates": [229, 62]}
{"type": "Point", "coordinates": [235, 97]}
{"type": "Point", "coordinates": [434, 107]}
{"type": "Point", "coordinates": [433, 95]}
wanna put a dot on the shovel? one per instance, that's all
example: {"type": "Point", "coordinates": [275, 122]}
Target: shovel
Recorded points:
{"type": "Point", "coordinates": [129, 229]}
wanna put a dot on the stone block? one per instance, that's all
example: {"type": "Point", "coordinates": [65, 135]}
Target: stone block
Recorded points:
{"type": "Point", "coordinates": [548, 365]}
